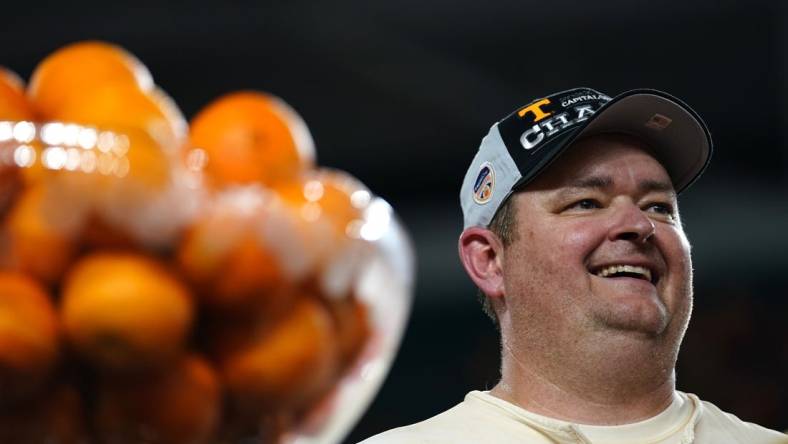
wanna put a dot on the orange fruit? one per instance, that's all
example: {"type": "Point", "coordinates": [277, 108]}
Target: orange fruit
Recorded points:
{"type": "Point", "coordinates": [125, 311]}
{"type": "Point", "coordinates": [123, 106]}
{"type": "Point", "coordinates": [114, 182]}
{"type": "Point", "coordinates": [181, 405]}
{"type": "Point", "coordinates": [244, 275]}
{"type": "Point", "coordinates": [100, 235]}
{"type": "Point", "coordinates": [57, 418]}
{"type": "Point", "coordinates": [13, 102]}
{"type": "Point", "coordinates": [224, 256]}
{"type": "Point", "coordinates": [130, 168]}
{"type": "Point", "coordinates": [250, 272]}
{"type": "Point", "coordinates": [39, 234]}
{"type": "Point", "coordinates": [133, 134]}
{"type": "Point", "coordinates": [100, 85]}
{"type": "Point", "coordinates": [14, 107]}
{"type": "Point", "coordinates": [328, 196]}
{"type": "Point", "coordinates": [329, 208]}
{"type": "Point", "coordinates": [28, 336]}
{"type": "Point", "coordinates": [145, 170]}
{"type": "Point", "coordinates": [251, 137]}
{"type": "Point", "coordinates": [225, 333]}
{"type": "Point", "coordinates": [286, 365]}
{"type": "Point", "coordinates": [134, 165]}
{"type": "Point", "coordinates": [11, 185]}
{"type": "Point", "coordinates": [352, 325]}
{"type": "Point", "coordinates": [125, 144]}
{"type": "Point", "coordinates": [74, 70]}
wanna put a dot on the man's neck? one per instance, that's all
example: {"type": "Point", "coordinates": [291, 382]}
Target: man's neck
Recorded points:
{"type": "Point", "coordinates": [607, 391]}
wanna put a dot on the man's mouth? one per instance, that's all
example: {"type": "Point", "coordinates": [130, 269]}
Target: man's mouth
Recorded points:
{"type": "Point", "coordinates": [631, 271]}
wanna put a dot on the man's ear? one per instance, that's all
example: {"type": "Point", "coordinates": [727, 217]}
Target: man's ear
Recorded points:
{"type": "Point", "coordinates": [481, 253]}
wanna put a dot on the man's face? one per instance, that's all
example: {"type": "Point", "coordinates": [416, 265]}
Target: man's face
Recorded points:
{"type": "Point", "coordinates": [599, 250]}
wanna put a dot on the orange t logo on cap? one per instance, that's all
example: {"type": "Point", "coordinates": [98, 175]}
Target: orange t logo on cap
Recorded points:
{"type": "Point", "coordinates": [536, 110]}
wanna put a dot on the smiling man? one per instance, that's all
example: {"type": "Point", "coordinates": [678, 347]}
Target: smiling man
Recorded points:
{"type": "Point", "coordinates": [573, 236]}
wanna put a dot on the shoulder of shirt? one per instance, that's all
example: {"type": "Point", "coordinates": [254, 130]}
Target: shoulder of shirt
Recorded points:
{"type": "Point", "coordinates": [437, 429]}
{"type": "Point", "coordinates": [458, 424]}
{"type": "Point", "coordinates": [715, 423]}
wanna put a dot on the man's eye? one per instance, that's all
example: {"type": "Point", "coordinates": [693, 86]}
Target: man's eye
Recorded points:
{"type": "Point", "coordinates": [585, 204]}
{"type": "Point", "coordinates": [660, 208]}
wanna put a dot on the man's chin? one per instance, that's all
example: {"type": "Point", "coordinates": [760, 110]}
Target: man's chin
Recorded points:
{"type": "Point", "coordinates": [648, 325]}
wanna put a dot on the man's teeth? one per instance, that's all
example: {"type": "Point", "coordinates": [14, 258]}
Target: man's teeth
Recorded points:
{"type": "Point", "coordinates": [616, 269]}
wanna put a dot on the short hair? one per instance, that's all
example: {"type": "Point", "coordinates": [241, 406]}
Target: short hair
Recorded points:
{"type": "Point", "coordinates": [504, 225]}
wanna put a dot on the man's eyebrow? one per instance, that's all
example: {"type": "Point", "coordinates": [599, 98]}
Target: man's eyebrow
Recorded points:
{"type": "Point", "coordinates": [656, 185]}
{"type": "Point", "coordinates": [592, 182]}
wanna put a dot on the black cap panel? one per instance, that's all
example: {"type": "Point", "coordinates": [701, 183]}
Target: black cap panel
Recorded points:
{"type": "Point", "coordinates": [536, 134]}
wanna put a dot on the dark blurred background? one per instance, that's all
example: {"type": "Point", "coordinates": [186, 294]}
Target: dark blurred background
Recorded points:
{"type": "Point", "coordinates": [400, 93]}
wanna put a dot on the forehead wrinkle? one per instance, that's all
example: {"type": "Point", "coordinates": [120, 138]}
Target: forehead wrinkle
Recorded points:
{"type": "Point", "coordinates": [650, 185]}
{"type": "Point", "coordinates": [592, 182]}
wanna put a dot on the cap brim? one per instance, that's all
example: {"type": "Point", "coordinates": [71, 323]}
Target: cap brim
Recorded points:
{"type": "Point", "coordinates": [677, 136]}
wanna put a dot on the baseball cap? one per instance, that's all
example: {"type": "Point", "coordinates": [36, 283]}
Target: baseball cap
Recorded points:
{"type": "Point", "coordinates": [523, 144]}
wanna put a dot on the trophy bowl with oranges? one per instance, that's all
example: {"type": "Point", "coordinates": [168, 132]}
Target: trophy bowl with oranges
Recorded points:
{"type": "Point", "coordinates": [183, 282]}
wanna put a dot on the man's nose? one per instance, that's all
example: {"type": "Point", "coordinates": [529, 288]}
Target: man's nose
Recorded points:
{"type": "Point", "coordinates": [631, 223]}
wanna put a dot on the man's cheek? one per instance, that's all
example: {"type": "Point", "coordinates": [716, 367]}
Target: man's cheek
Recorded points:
{"type": "Point", "coordinates": [577, 241]}
{"type": "Point", "coordinates": [677, 252]}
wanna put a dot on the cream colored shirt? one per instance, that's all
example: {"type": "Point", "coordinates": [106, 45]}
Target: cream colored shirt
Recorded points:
{"type": "Point", "coordinates": [483, 418]}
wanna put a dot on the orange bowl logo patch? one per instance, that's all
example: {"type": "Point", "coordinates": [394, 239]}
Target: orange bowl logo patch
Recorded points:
{"type": "Point", "coordinates": [484, 185]}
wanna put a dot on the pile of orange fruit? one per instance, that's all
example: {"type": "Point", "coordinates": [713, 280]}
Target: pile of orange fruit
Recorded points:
{"type": "Point", "coordinates": [164, 280]}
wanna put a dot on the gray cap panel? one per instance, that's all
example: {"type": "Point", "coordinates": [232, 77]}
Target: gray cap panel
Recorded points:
{"type": "Point", "coordinates": [493, 153]}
